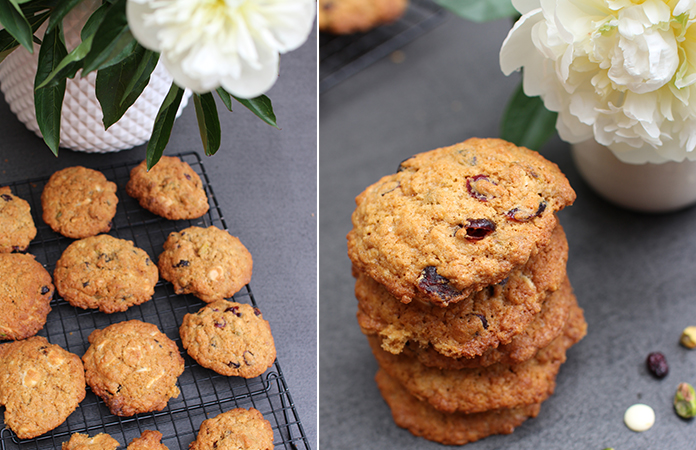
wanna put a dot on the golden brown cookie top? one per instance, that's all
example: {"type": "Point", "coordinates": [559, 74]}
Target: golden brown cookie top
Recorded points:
{"type": "Point", "coordinates": [41, 384]}
{"type": "Point", "coordinates": [238, 429]}
{"type": "Point", "coordinates": [482, 389]}
{"type": "Point", "coordinates": [79, 202]}
{"type": "Point", "coordinates": [105, 272]}
{"type": "Point", "coordinates": [148, 440]}
{"type": "Point", "coordinates": [454, 220]}
{"type": "Point", "coordinates": [101, 441]}
{"type": "Point", "coordinates": [352, 16]}
{"type": "Point", "coordinates": [26, 291]}
{"type": "Point", "coordinates": [208, 262]}
{"type": "Point", "coordinates": [133, 367]}
{"type": "Point", "coordinates": [16, 224]}
{"type": "Point", "coordinates": [423, 420]}
{"type": "Point", "coordinates": [230, 338]}
{"type": "Point", "coordinates": [469, 328]}
{"type": "Point", "coordinates": [171, 189]}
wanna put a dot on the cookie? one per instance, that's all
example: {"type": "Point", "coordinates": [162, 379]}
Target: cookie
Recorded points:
{"type": "Point", "coordinates": [455, 220]}
{"type": "Point", "coordinates": [79, 202]}
{"type": "Point", "coordinates": [171, 189]}
{"type": "Point", "coordinates": [546, 326]}
{"type": "Point", "coordinates": [206, 262]}
{"type": "Point", "coordinates": [483, 389]}
{"type": "Point", "coordinates": [148, 440]}
{"type": "Point", "coordinates": [133, 367]}
{"type": "Point", "coordinates": [423, 420]}
{"type": "Point", "coordinates": [352, 16]}
{"type": "Point", "coordinates": [26, 291]}
{"type": "Point", "coordinates": [465, 329]}
{"type": "Point", "coordinates": [106, 273]}
{"type": "Point", "coordinates": [230, 338]}
{"type": "Point", "coordinates": [16, 224]}
{"type": "Point", "coordinates": [101, 441]}
{"type": "Point", "coordinates": [238, 429]}
{"type": "Point", "coordinates": [41, 384]}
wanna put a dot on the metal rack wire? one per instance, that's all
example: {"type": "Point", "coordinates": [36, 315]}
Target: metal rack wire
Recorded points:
{"type": "Point", "coordinates": [204, 393]}
{"type": "Point", "coordinates": [343, 56]}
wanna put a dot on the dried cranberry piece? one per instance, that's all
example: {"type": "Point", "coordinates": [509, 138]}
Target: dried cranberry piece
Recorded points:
{"type": "Point", "coordinates": [657, 364]}
{"type": "Point", "coordinates": [85, 284]}
{"type": "Point", "coordinates": [518, 216]}
{"type": "Point", "coordinates": [473, 191]}
{"type": "Point", "coordinates": [6, 197]}
{"type": "Point", "coordinates": [221, 324]}
{"type": "Point", "coordinates": [233, 364]}
{"type": "Point", "coordinates": [431, 282]}
{"type": "Point", "coordinates": [188, 177]}
{"type": "Point", "coordinates": [17, 249]}
{"type": "Point", "coordinates": [477, 229]}
{"type": "Point", "coordinates": [45, 290]}
{"type": "Point", "coordinates": [234, 310]}
{"type": "Point", "coordinates": [401, 167]}
{"type": "Point", "coordinates": [257, 311]}
{"type": "Point", "coordinates": [484, 322]}
{"type": "Point", "coordinates": [249, 360]}
{"type": "Point", "coordinates": [182, 263]}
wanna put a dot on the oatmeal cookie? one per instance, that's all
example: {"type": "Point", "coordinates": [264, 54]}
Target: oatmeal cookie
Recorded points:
{"type": "Point", "coordinates": [454, 220]}
{"type": "Point", "coordinates": [206, 262]}
{"type": "Point", "coordinates": [106, 273]}
{"type": "Point", "coordinates": [423, 420]}
{"type": "Point", "coordinates": [171, 189]}
{"type": "Point", "coordinates": [546, 326]}
{"type": "Point", "coordinates": [16, 224]}
{"type": "Point", "coordinates": [133, 367]}
{"type": "Point", "coordinates": [26, 291]}
{"type": "Point", "coordinates": [41, 384]}
{"type": "Point", "coordinates": [79, 202]}
{"type": "Point", "coordinates": [238, 429]}
{"type": "Point", "coordinates": [483, 389]}
{"type": "Point", "coordinates": [352, 16]}
{"type": "Point", "coordinates": [101, 441]}
{"type": "Point", "coordinates": [230, 338]}
{"type": "Point", "coordinates": [148, 440]}
{"type": "Point", "coordinates": [467, 328]}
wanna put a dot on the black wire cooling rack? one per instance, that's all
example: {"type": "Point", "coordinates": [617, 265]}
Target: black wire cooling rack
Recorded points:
{"type": "Point", "coordinates": [204, 393]}
{"type": "Point", "coordinates": [343, 56]}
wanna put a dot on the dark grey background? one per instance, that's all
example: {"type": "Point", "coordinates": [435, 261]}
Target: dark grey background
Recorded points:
{"type": "Point", "coordinates": [266, 183]}
{"type": "Point", "coordinates": [634, 274]}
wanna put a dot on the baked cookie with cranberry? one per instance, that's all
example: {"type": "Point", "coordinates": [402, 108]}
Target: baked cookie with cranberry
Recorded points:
{"type": "Point", "coordinates": [148, 440]}
{"type": "Point", "coordinates": [79, 202]}
{"type": "Point", "coordinates": [17, 227]}
{"type": "Point", "coordinates": [238, 429]}
{"type": "Point", "coordinates": [454, 220]}
{"type": "Point", "coordinates": [209, 263]}
{"type": "Point", "coordinates": [101, 441]}
{"type": "Point", "coordinates": [171, 189]}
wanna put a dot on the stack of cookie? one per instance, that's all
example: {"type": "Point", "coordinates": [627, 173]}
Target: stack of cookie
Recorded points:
{"type": "Point", "coordinates": [462, 289]}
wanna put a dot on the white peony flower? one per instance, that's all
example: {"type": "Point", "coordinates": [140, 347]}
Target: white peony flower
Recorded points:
{"type": "Point", "coordinates": [620, 71]}
{"type": "Point", "coordinates": [205, 44]}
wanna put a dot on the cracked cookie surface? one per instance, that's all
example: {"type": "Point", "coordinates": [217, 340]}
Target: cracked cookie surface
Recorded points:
{"type": "Point", "coordinates": [133, 367]}
{"type": "Point", "coordinates": [208, 262]}
{"type": "Point", "coordinates": [26, 290]}
{"type": "Point", "coordinates": [454, 220]}
{"type": "Point", "coordinates": [79, 202]}
{"type": "Point", "coordinates": [41, 384]}
{"type": "Point", "coordinates": [171, 189]}
{"type": "Point", "coordinates": [230, 338]}
{"type": "Point", "coordinates": [105, 272]}
{"type": "Point", "coordinates": [17, 227]}
{"type": "Point", "coordinates": [238, 429]}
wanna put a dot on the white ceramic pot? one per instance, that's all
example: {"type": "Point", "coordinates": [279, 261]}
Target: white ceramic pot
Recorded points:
{"type": "Point", "coordinates": [651, 188]}
{"type": "Point", "coordinates": [81, 126]}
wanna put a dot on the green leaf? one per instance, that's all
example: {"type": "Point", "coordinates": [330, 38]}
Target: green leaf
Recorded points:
{"type": "Point", "coordinates": [225, 97]}
{"type": "Point", "coordinates": [48, 101]}
{"type": "Point", "coordinates": [61, 10]}
{"type": "Point", "coordinates": [112, 36]}
{"type": "Point", "coordinates": [527, 122]}
{"type": "Point", "coordinates": [119, 86]}
{"type": "Point", "coordinates": [12, 18]}
{"type": "Point", "coordinates": [163, 125]}
{"type": "Point", "coordinates": [90, 27]}
{"type": "Point", "coordinates": [208, 122]}
{"type": "Point", "coordinates": [261, 106]}
{"type": "Point", "coordinates": [8, 43]}
{"type": "Point", "coordinates": [480, 10]}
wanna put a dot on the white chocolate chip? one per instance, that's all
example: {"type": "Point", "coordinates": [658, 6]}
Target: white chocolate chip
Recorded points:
{"type": "Point", "coordinates": [639, 417]}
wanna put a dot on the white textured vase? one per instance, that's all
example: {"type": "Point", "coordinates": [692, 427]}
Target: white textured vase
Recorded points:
{"type": "Point", "coordinates": [81, 126]}
{"type": "Point", "coordinates": [652, 188]}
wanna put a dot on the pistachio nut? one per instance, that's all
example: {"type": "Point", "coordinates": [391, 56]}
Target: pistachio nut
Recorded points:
{"type": "Point", "coordinates": [685, 401]}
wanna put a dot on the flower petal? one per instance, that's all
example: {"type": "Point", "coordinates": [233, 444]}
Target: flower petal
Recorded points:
{"type": "Point", "coordinates": [518, 46]}
{"type": "Point", "coordinates": [146, 35]}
